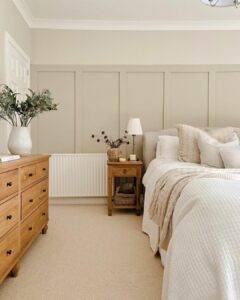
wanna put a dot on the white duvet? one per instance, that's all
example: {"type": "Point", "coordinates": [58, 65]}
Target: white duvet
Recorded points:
{"type": "Point", "coordinates": [203, 257]}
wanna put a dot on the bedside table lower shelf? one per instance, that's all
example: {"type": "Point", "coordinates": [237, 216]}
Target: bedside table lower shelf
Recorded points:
{"type": "Point", "coordinates": [118, 206]}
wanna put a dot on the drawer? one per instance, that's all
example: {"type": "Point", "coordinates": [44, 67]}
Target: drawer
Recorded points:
{"type": "Point", "coordinates": [9, 215]}
{"type": "Point", "coordinates": [42, 169]}
{"type": "Point", "coordinates": [28, 229]}
{"type": "Point", "coordinates": [32, 197]}
{"type": "Point", "coordinates": [28, 175]}
{"type": "Point", "coordinates": [9, 250]}
{"type": "Point", "coordinates": [124, 172]}
{"type": "Point", "coordinates": [43, 190]}
{"type": "Point", "coordinates": [8, 184]}
{"type": "Point", "coordinates": [43, 214]}
{"type": "Point", "coordinates": [30, 200]}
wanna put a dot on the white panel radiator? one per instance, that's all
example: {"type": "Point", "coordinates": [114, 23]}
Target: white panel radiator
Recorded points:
{"type": "Point", "coordinates": [78, 175]}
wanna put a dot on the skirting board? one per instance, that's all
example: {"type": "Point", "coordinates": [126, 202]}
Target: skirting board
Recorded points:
{"type": "Point", "coordinates": [78, 201]}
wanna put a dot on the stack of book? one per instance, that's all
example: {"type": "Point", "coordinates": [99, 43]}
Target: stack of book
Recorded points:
{"type": "Point", "coordinates": [8, 157]}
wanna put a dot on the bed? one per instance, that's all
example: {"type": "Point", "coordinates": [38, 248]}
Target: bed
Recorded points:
{"type": "Point", "coordinates": [202, 260]}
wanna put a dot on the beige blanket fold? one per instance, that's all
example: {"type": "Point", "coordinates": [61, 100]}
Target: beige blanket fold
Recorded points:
{"type": "Point", "coordinates": [169, 188]}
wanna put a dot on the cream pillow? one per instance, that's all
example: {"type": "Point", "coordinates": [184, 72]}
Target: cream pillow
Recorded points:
{"type": "Point", "coordinates": [167, 147]}
{"type": "Point", "coordinates": [223, 135]}
{"type": "Point", "coordinates": [188, 146]}
{"type": "Point", "coordinates": [210, 149]}
{"type": "Point", "coordinates": [237, 130]}
{"type": "Point", "coordinates": [231, 157]}
{"type": "Point", "coordinates": [188, 140]}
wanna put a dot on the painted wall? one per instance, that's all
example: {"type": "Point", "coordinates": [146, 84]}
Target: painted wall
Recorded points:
{"type": "Point", "coordinates": [125, 47]}
{"type": "Point", "coordinates": [12, 22]}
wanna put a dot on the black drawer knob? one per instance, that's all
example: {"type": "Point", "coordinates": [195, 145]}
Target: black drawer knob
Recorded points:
{"type": "Point", "coordinates": [9, 183]}
{"type": "Point", "coordinates": [9, 252]}
{"type": "Point", "coordinates": [30, 174]}
{"type": "Point", "coordinates": [9, 217]}
{"type": "Point", "coordinates": [30, 200]}
{"type": "Point", "coordinates": [30, 228]}
{"type": "Point", "coordinates": [44, 190]}
{"type": "Point", "coordinates": [44, 169]}
{"type": "Point", "coordinates": [43, 214]}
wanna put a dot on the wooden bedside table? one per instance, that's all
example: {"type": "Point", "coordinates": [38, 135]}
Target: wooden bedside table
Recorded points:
{"type": "Point", "coordinates": [124, 169]}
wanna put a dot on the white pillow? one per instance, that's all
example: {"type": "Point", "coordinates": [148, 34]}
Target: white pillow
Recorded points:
{"type": "Point", "coordinates": [167, 147]}
{"type": "Point", "coordinates": [210, 149]}
{"type": "Point", "coordinates": [231, 157]}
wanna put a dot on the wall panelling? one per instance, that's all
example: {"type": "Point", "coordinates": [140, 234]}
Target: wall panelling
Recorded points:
{"type": "Point", "coordinates": [93, 98]}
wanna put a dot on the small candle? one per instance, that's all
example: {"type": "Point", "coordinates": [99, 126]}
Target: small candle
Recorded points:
{"type": "Point", "coordinates": [133, 157]}
{"type": "Point", "coordinates": [122, 159]}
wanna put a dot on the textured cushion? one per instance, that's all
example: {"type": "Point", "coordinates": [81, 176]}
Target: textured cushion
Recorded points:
{"type": "Point", "coordinates": [188, 146]}
{"type": "Point", "coordinates": [210, 149]}
{"type": "Point", "coordinates": [167, 147]}
{"type": "Point", "coordinates": [231, 157]}
{"type": "Point", "coordinates": [188, 140]}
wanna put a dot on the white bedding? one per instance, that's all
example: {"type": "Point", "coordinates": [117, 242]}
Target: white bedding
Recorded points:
{"type": "Point", "coordinates": [203, 257]}
{"type": "Point", "coordinates": [155, 170]}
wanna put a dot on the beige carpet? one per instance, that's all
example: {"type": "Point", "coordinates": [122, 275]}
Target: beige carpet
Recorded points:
{"type": "Point", "coordinates": [88, 255]}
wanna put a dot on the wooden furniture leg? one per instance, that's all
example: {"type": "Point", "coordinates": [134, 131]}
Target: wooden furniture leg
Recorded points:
{"type": "Point", "coordinates": [15, 270]}
{"type": "Point", "coordinates": [138, 192]}
{"type": "Point", "coordinates": [45, 229]}
{"type": "Point", "coordinates": [110, 196]}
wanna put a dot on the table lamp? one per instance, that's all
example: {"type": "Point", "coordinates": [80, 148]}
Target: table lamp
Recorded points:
{"type": "Point", "coordinates": [134, 128]}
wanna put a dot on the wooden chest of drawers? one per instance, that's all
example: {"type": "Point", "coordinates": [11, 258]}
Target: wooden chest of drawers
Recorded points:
{"type": "Point", "coordinates": [23, 208]}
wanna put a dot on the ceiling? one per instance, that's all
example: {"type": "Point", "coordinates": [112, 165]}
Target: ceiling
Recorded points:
{"type": "Point", "coordinates": [69, 12]}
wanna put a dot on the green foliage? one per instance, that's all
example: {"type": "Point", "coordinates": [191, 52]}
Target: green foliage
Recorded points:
{"type": "Point", "coordinates": [21, 113]}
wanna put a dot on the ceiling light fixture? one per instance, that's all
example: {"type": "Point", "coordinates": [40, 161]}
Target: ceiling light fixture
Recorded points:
{"type": "Point", "coordinates": [222, 3]}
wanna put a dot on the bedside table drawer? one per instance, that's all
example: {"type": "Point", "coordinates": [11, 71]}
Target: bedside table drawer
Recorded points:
{"type": "Point", "coordinates": [124, 172]}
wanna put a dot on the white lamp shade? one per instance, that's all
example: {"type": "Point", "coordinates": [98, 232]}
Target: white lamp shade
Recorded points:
{"type": "Point", "coordinates": [134, 127]}
{"type": "Point", "coordinates": [220, 3]}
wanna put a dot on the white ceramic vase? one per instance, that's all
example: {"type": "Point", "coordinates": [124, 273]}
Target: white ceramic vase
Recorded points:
{"type": "Point", "coordinates": [20, 141]}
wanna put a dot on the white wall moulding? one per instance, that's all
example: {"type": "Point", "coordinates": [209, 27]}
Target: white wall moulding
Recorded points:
{"type": "Point", "coordinates": [125, 25]}
{"type": "Point", "coordinates": [25, 11]}
{"type": "Point", "coordinates": [136, 25]}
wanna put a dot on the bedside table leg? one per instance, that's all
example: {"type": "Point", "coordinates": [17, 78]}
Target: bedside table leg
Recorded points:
{"type": "Point", "coordinates": [138, 191]}
{"type": "Point", "coordinates": [110, 196]}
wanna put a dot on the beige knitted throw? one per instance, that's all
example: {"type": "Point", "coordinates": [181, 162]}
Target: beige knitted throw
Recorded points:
{"type": "Point", "coordinates": [168, 189]}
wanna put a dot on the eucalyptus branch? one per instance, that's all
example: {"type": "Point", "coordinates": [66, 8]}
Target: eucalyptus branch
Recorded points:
{"type": "Point", "coordinates": [104, 138]}
{"type": "Point", "coordinates": [17, 112]}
